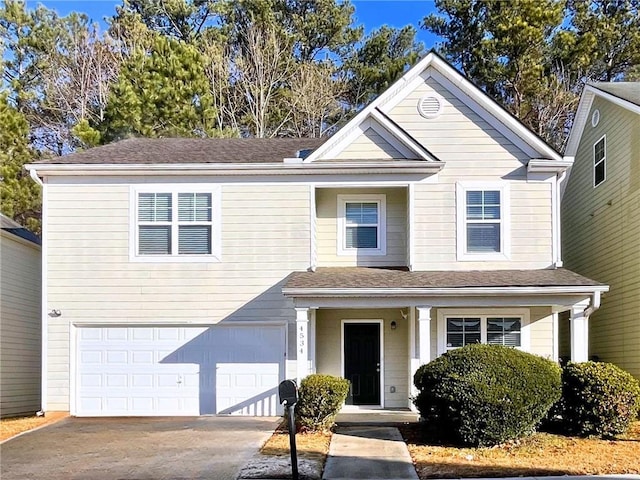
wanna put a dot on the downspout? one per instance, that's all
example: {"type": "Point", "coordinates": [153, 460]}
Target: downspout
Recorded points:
{"type": "Point", "coordinates": [594, 305]}
{"type": "Point", "coordinates": [43, 291]}
{"type": "Point", "coordinates": [34, 174]}
{"type": "Point", "coordinates": [560, 178]}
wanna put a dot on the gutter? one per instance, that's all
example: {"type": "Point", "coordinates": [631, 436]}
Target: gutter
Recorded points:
{"type": "Point", "coordinates": [593, 290]}
{"type": "Point", "coordinates": [285, 168]}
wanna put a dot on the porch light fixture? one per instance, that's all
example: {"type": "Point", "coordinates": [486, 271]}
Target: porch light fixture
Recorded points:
{"type": "Point", "coordinates": [55, 313]}
{"type": "Point", "coordinates": [394, 325]}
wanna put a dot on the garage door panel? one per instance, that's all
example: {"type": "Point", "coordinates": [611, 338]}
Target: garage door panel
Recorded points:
{"type": "Point", "coordinates": [179, 371]}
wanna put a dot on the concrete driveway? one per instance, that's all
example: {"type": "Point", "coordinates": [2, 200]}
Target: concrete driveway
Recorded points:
{"type": "Point", "coordinates": [178, 448]}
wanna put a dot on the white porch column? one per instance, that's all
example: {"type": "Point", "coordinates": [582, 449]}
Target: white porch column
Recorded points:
{"type": "Point", "coordinates": [579, 332]}
{"type": "Point", "coordinates": [424, 334]}
{"type": "Point", "coordinates": [302, 343]}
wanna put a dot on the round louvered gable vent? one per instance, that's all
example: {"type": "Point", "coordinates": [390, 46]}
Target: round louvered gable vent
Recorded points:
{"type": "Point", "coordinates": [430, 106]}
{"type": "Point", "coordinates": [595, 118]}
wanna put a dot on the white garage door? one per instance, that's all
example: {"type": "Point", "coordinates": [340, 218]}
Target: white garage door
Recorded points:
{"type": "Point", "coordinates": [143, 371]}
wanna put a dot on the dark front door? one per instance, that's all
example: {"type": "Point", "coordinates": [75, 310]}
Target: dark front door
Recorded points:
{"type": "Point", "coordinates": [362, 362]}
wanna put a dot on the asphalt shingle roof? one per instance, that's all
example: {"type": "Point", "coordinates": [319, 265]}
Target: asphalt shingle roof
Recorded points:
{"type": "Point", "coordinates": [18, 230]}
{"type": "Point", "coordinates": [148, 151]}
{"type": "Point", "coordinates": [371, 278]}
{"type": "Point", "coordinates": [629, 91]}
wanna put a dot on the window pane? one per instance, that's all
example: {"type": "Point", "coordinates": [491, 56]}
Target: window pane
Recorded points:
{"type": "Point", "coordinates": [154, 240]}
{"type": "Point", "coordinates": [358, 213]}
{"type": "Point", "coordinates": [483, 237]}
{"type": "Point", "coordinates": [154, 207]}
{"type": "Point", "coordinates": [504, 331]}
{"type": "Point", "coordinates": [492, 197]}
{"type": "Point", "coordinates": [474, 213]}
{"type": "Point", "coordinates": [462, 331]}
{"type": "Point", "coordinates": [599, 173]}
{"type": "Point", "coordinates": [474, 198]}
{"type": "Point", "coordinates": [361, 237]}
{"type": "Point", "coordinates": [194, 239]}
{"type": "Point", "coordinates": [598, 151]}
{"type": "Point", "coordinates": [194, 207]}
{"type": "Point", "coordinates": [492, 212]}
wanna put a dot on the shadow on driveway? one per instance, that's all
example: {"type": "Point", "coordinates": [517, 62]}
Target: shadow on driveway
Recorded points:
{"type": "Point", "coordinates": [136, 448]}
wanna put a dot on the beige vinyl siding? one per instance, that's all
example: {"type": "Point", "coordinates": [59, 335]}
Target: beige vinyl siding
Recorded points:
{"type": "Point", "coordinates": [601, 232]}
{"type": "Point", "coordinates": [20, 326]}
{"type": "Point", "coordinates": [396, 367]}
{"type": "Point", "coordinates": [265, 236]}
{"type": "Point", "coordinates": [474, 152]}
{"type": "Point", "coordinates": [327, 228]}
{"type": "Point", "coordinates": [435, 228]}
{"type": "Point", "coordinates": [369, 145]}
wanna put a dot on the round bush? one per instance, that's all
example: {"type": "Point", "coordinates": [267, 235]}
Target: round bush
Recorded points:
{"type": "Point", "coordinates": [598, 399]}
{"type": "Point", "coordinates": [485, 395]}
{"type": "Point", "coordinates": [320, 398]}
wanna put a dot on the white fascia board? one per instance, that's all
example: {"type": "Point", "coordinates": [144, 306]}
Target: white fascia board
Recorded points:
{"type": "Point", "coordinates": [355, 122]}
{"type": "Point", "coordinates": [336, 168]}
{"type": "Point", "coordinates": [446, 292]}
{"type": "Point", "coordinates": [402, 136]}
{"type": "Point", "coordinates": [541, 165]}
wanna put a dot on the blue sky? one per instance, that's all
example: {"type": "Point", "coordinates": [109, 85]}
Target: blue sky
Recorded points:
{"type": "Point", "coordinates": [370, 13]}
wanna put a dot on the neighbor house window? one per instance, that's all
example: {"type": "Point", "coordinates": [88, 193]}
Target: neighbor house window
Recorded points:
{"type": "Point", "coordinates": [175, 224]}
{"type": "Point", "coordinates": [464, 328]}
{"type": "Point", "coordinates": [600, 161]}
{"type": "Point", "coordinates": [361, 224]}
{"type": "Point", "coordinates": [482, 221]}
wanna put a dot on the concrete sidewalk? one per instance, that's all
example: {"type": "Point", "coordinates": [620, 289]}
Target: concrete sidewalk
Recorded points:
{"type": "Point", "coordinates": [368, 452]}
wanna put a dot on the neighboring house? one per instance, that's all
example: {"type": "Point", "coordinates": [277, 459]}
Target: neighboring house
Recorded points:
{"type": "Point", "coordinates": [601, 215]}
{"type": "Point", "coordinates": [20, 319]}
{"type": "Point", "coordinates": [193, 275]}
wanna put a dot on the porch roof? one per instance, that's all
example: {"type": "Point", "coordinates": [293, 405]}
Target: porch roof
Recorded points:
{"type": "Point", "coordinates": [362, 278]}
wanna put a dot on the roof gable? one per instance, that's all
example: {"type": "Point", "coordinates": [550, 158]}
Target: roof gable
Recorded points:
{"type": "Point", "coordinates": [385, 129]}
{"type": "Point", "coordinates": [488, 109]}
{"type": "Point", "coordinates": [618, 94]}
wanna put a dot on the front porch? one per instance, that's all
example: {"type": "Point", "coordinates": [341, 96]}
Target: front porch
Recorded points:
{"type": "Point", "coordinates": [375, 327]}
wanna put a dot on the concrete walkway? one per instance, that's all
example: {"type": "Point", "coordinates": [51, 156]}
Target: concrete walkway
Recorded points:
{"type": "Point", "coordinates": [368, 452]}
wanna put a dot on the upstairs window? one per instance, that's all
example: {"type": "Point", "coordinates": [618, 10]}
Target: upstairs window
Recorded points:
{"type": "Point", "coordinates": [600, 161]}
{"type": "Point", "coordinates": [175, 225]}
{"type": "Point", "coordinates": [361, 224]}
{"type": "Point", "coordinates": [482, 222]}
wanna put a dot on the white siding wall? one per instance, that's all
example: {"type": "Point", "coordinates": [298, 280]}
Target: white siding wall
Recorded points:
{"type": "Point", "coordinates": [601, 232]}
{"type": "Point", "coordinates": [327, 228]}
{"type": "Point", "coordinates": [20, 325]}
{"type": "Point", "coordinates": [265, 236]}
{"type": "Point", "coordinates": [474, 152]}
{"type": "Point", "coordinates": [369, 145]}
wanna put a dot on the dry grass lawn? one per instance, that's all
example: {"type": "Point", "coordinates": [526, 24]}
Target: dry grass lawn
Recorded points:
{"type": "Point", "coordinates": [10, 427]}
{"type": "Point", "coordinates": [540, 454]}
{"type": "Point", "coordinates": [309, 445]}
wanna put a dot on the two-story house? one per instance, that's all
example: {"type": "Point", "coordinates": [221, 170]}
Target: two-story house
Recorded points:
{"type": "Point", "coordinates": [601, 215]}
{"type": "Point", "coordinates": [186, 277]}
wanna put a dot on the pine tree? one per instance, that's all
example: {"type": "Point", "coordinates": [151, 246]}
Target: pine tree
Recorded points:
{"type": "Point", "coordinates": [19, 193]}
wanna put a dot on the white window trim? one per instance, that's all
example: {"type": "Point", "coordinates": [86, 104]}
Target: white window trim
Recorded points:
{"type": "Point", "coordinates": [461, 221]}
{"type": "Point", "coordinates": [483, 314]}
{"type": "Point", "coordinates": [174, 189]}
{"type": "Point", "coordinates": [604, 160]}
{"type": "Point", "coordinates": [381, 200]}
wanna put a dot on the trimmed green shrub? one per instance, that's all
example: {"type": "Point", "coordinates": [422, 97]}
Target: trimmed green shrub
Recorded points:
{"type": "Point", "coordinates": [598, 399]}
{"type": "Point", "coordinates": [320, 398]}
{"type": "Point", "coordinates": [485, 395]}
